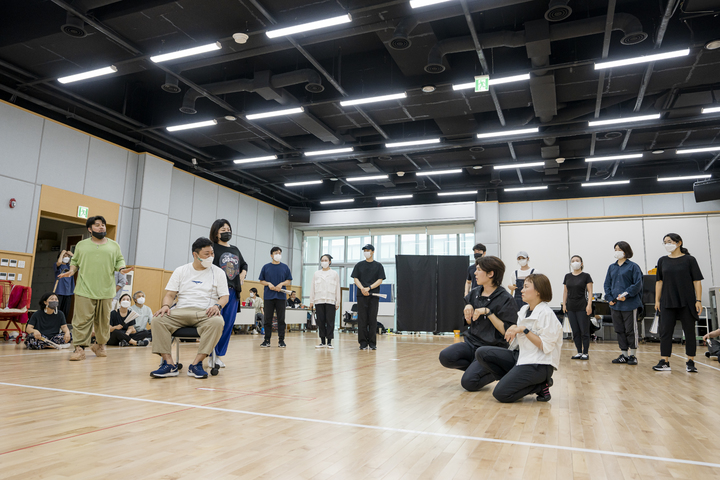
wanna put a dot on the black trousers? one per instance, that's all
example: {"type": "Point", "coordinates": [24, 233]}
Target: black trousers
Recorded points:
{"type": "Point", "coordinates": [461, 356]}
{"type": "Point", "coordinates": [668, 318]}
{"type": "Point", "coordinates": [367, 319]}
{"type": "Point", "coordinates": [580, 324]}
{"type": "Point", "coordinates": [325, 313]}
{"type": "Point", "coordinates": [625, 325]}
{"type": "Point", "coordinates": [64, 306]}
{"type": "Point", "coordinates": [273, 307]}
{"type": "Point", "coordinates": [116, 336]}
{"type": "Point", "coordinates": [515, 381]}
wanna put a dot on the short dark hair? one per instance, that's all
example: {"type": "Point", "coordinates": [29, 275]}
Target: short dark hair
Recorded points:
{"type": "Point", "coordinates": [581, 261]}
{"type": "Point", "coordinates": [121, 297]}
{"type": "Point", "coordinates": [625, 247]}
{"type": "Point", "coordinates": [91, 221]}
{"type": "Point", "coordinates": [293, 291]}
{"type": "Point", "coordinates": [201, 243]}
{"type": "Point", "coordinates": [492, 264]}
{"type": "Point", "coordinates": [275, 249]}
{"type": "Point", "coordinates": [254, 290]}
{"type": "Point", "coordinates": [43, 299]}
{"type": "Point", "coordinates": [217, 225]}
{"type": "Point", "coordinates": [480, 247]}
{"type": "Point", "coordinates": [329, 257]}
{"type": "Point", "coordinates": [541, 284]}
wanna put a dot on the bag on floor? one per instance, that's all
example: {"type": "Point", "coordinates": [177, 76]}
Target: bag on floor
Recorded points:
{"type": "Point", "coordinates": [655, 324]}
{"type": "Point", "coordinates": [566, 325]}
{"type": "Point", "coordinates": [713, 348]}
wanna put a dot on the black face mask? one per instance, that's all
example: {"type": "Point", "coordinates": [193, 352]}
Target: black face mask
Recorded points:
{"type": "Point", "coordinates": [99, 235]}
{"type": "Point", "coordinates": [478, 255]}
{"type": "Point", "coordinates": [226, 236]}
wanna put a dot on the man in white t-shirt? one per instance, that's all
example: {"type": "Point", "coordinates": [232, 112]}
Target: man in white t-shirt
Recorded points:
{"type": "Point", "coordinates": [201, 291]}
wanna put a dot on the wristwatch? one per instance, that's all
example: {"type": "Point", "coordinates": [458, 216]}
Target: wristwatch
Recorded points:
{"type": "Point", "coordinates": [526, 331]}
{"type": "Point", "coordinates": [219, 306]}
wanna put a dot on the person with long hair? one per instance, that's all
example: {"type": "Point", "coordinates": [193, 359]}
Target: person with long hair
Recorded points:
{"type": "Point", "coordinates": [47, 323]}
{"type": "Point", "coordinates": [678, 297]}
{"type": "Point", "coordinates": [122, 332]}
{"type": "Point", "coordinates": [325, 297]}
{"type": "Point", "coordinates": [577, 304]}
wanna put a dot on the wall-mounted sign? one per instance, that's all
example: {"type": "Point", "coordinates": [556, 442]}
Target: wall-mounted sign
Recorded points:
{"type": "Point", "coordinates": [482, 83]}
{"type": "Point", "coordinates": [83, 212]}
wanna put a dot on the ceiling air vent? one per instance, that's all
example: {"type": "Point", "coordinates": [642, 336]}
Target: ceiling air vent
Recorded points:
{"type": "Point", "coordinates": [74, 27]}
{"type": "Point", "coordinates": [558, 10]}
{"type": "Point", "coordinates": [314, 87]}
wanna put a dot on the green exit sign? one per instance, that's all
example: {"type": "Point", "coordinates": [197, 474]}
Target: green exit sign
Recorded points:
{"type": "Point", "coordinates": [83, 212]}
{"type": "Point", "coordinates": [482, 83]}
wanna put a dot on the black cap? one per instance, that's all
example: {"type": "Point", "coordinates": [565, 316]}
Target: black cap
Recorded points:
{"type": "Point", "coordinates": [369, 247]}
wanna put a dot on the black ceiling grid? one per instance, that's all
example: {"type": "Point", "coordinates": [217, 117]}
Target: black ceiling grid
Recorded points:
{"type": "Point", "coordinates": [387, 48]}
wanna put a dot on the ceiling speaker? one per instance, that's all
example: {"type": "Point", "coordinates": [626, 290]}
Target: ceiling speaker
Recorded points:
{"type": "Point", "coordinates": [707, 190]}
{"type": "Point", "coordinates": [299, 215]}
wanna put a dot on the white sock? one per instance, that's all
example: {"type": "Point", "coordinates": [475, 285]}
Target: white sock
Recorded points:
{"type": "Point", "coordinates": [624, 352]}
{"type": "Point", "coordinates": [632, 351]}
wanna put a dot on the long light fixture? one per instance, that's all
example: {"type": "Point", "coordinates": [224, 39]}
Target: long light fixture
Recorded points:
{"type": "Point", "coordinates": [254, 159]}
{"type": "Point", "coordinates": [614, 157]}
{"type": "Point", "coordinates": [439, 172]}
{"type": "Point", "coordinates": [328, 202]}
{"type": "Point", "coordinates": [188, 52]}
{"type": "Point", "coordinates": [711, 110]}
{"type": "Point", "coordinates": [507, 133]}
{"type": "Point", "coordinates": [188, 126]}
{"type": "Point", "coordinates": [306, 27]}
{"type": "Point", "coordinates": [494, 81]}
{"type": "Point", "coordinates": [687, 177]}
{"type": "Point", "coordinates": [641, 118]}
{"type": "Point", "coordinates": [382, 98]}
{"type": "Point", "coordinates": [413, 142]}
{"type": "Point", "coordinates": [603, 184]}
{"type": "Point", "coordinates": [298, 184]}
{"type": "Point", "coordinates": [524, 189]}
{"type": "Point", "coordinates": [394, 197]}
{"type": "Point", "coordinates": [643, 59]}
{"type": "Point", "coordinates": [276, 113]}
{"type": "Point", "coordinates": [425, 3]}
{"type": "Point", "coordinates": [91, 74]}
{"type": "Point", "coordinates": [448, 194]}
{"type": "Point", "coordinates": [363, 179]}
{"type": "Point", "coordinates": [329, 152]}
{"type": "Point", "coordinates": [519, 165]}
{"type": "Point", "coordinates": [698, 150]}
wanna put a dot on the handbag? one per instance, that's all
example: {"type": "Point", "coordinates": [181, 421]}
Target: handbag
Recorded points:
{"type": "Point", "coordinates": [655, 324]}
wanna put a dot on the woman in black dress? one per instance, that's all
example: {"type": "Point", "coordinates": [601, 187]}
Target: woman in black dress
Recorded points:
{"type": "Point", "coordinates": [577, 304]}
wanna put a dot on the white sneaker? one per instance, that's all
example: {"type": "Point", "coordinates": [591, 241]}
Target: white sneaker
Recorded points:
{"type": "Point", "coordinates": [321, 345]}
{"type": "Point", "coordinates": [330, 346]}
{"type": "Point", "coordinates": [219, 363]}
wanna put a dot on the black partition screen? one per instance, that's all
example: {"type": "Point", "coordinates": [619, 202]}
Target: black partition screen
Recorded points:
{"type": "Point", "coordinates": [452, 274]}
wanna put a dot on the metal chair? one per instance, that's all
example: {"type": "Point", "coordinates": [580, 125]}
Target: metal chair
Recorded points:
{"type": "Point", "coordinates": [191, 333]}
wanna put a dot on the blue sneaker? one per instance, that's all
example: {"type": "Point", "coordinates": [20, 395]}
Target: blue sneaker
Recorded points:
{"type": "Point", "coordinates": [165, 370]}
{"type": "Point", "coordinates": [197, 371]}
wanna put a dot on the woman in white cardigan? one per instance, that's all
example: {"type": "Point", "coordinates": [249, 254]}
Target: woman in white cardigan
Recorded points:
{"type": "Point", "coordinates": [325, 296]}
{"type": "Point", "coordinates": [527, 366]}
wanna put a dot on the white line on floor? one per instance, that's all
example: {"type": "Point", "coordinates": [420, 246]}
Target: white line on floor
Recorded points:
{"type": "Point", "coordinates": [697, 363]}
{"type": "Point", "coordinates": [376, 427]}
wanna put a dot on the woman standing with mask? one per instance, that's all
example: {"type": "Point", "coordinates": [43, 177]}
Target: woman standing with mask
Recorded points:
{"type": "Point", "coordinates": [65, 287]}
{"type": "Point", "coordinates": [577, 304]}
{"type": "Point", "coordinates": [519, 278]}
{"type": "Point", "coordinates": [325, 296]}
{"type": "Point", "coordinates": [623, 289]}
{"type": "Point", "coordinates": [678, 296]}
{"type": "Point", "coordinates": [231, 261]}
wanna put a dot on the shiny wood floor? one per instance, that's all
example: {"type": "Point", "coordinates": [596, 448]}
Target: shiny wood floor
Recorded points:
{"type": "Point", "coordinates": [318, 414]}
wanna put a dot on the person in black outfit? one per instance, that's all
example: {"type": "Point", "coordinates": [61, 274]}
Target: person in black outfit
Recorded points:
{"type": "Point", "coordinates": [121, 333]}
{"type": "Point", "coordinates": [48, 322]}
{"type": "Point", "coordinates": [368, 275]}
{"type": "Point", "coordinates": [489, 310]}
{"type": "Point", "coordinates": [293, 301]}
{"type": "Point", "coordinates": [678, 296]}
{"type": "Point", "coordinates": [470, 282]}
{"type": "Point", "coordinates": [577, 304]}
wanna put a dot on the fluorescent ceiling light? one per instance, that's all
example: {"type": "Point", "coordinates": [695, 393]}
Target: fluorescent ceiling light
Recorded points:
{"type": "Point", "coordinates": [438, 172]}
{"type": "Point", "coordinates": [298, 184]}
{"type": "Point", "coordinates": [394, 197]}
{"type": "Point", "coordinates": [187, 52]}
{"type": "Point", "coordinates": [328, 202]}
{"type": "Point", "coordinates": [641, 118]}
{"type": "Point", "coordinates": [524, 189]}
{"type": "Point", "coordinates": [688, 177]}
{"type": "Point", "coordinates": [91, 74]}
{"type": "Point", "coordinates": [711, 110]}
{"type": "Point", "coordinates": [425, 3]}
{"type": "Point", "coordinates": [362, 179]}
{"type": "Point", "coordinates": [276, 113]}
{"type": "Point", "coordinates": [614, 157]}
{"type": "Point", "coordinates": [602, 184]}
{"type": "Point", "coordinates": [447, 194]}
{"type": "Point", "coordinates": [413, 142]}
{"type": "Point", "coordinates": [698, 150]}
{"type": "Point", "coordinates": [507, 133]}
{"type": "Point", "coordinates": [643, 59]}
{"type": "Point", "coordinates": [305, 27]}
{"type": "Point", "coordinates": [328, 152]}
{"type": "Point", "coordinates": [519, 165]}
{"type": "Point", "coordinates": [255, 159]}
{"type": "Point", "coordinates": [188, 126]}
{"type": "Point", "coordinates": [494, 81]}
{"type": "Point", "coordinates": [382, 98]}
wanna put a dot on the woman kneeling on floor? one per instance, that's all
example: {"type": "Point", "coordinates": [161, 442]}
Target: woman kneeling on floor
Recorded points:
{"type": "Point", "coordinates": [534, 353]}
{"type": "Point", "coordinates": [122, 333]}
{"type": "Point", "coordinates": [48, 323]}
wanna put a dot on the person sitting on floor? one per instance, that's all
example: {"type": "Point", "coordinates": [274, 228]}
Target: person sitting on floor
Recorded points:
{"type": "Point", "coordinates": [145, 315]}
{"type": "Point", "coordinates": [122, 332]}
{"type": "Point", "coordinates": [49, 323]}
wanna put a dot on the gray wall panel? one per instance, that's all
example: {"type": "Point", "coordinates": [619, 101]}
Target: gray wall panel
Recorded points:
{"type": "Point", "coordinates": [510, 212]}
{"type": "Point", "coordinates": [30, 247]}
{"type": "Point", "coordinates": [178, 244]}
{"type": "Point", "coordinates": [63, 158]}
{"type": "Point", "coordinates": [151, 239]}
{"type": "Point", "coordinates": [106, 169]}
{"type": "Point", "coordinates": [131, 171]}
{"type": "Point", "coordinates": [690, 205]}
{"type": "Point", "coordinates": [181, 195]}
{"type": "Point", "coordinates": [204, 210]}
{"type": "Point", "coordinates": [622, 206]}
{"type": "Point", "coordinates": [125, 230]}
{"type": "Point", "coordinates": [549, 210]}
{"type": "Point", "coordinates": [20, 136]}
{"type": "Point", "coordinates": [265, 223]}
{"type": "Point", "coordinates": [247, 216]}
{"type": "Point", "coordinates": [247, 248]}
{"type": "Point", "coordinates": [586, 207]}
{"type": "Point", "coordinates": [196, 231]}
{"type": "Point", "coordinates": [16, 221]}
{"type": "Point", "coordinates": [654, 204]}
{"type": "Point", "coordinates": [157, 180]}
{"type": "Point", "coordinates": [281, 228]}
{"type": "Point", "coordinates": [227, 206]}
{"type": "Point", "coordinates": [262, 256]}
{"type": "Point", "coordinates": [296, 267]}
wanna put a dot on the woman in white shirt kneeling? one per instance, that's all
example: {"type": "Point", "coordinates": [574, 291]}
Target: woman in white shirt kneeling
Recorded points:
{"type": "Point", "coordinates": [325, 296]}
{"type": "Point", "coordinates": [527, 365]}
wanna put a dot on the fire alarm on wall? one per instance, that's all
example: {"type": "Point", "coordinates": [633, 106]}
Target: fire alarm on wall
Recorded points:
{"type": "Point", "coordinates": [12, 203]}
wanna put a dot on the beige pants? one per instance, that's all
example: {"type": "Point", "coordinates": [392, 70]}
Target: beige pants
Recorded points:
{"type": "Point", "coordinates": [91, 314]}
{"type": "Point", "coordinates": [209, 328]}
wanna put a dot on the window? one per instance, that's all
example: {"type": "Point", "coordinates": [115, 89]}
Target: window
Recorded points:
{"type": "Point", "coordinates": [413, 244]}
{"type": "Point", "coordinates": [385, 248]}
{"type": "Point", "coordinates": [311, 250]}
{"type": "Point", "coordinates": [444, 244]}
{"type": "Point", "coordinates": [335, 246]}
{"type": "Point", "coordinates": [354, 248]}
{"type": "Point", "coordinates": [467, 242]}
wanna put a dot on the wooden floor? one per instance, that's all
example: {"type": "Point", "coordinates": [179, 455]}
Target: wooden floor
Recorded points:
{"type": "Point", "coordinates": [318, 414]}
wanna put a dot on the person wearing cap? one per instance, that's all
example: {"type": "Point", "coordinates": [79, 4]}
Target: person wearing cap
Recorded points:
{"type": "Point", "coordinates": [519, 277]}
{"type": "Point", "coordinates": [368, 275]}
{"type": "Point", "coordinates": [325, 297]}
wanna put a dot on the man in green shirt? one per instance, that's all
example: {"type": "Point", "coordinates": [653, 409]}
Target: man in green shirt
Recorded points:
{"type": "Point", "coordinates": [97, 259]}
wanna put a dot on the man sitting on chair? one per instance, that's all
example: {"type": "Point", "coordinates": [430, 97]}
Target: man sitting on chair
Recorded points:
{"type": "Point", "coordinates": [201, 290]}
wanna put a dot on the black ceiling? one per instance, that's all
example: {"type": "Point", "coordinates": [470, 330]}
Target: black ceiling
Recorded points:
{"type": "Point", "coordinates": [362, 59]}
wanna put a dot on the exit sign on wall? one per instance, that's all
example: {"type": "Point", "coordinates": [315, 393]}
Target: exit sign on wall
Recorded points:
{"type": "Point", "coordinates": [83, 212]}
{"type": "Point", "coordinates": [482, 83]}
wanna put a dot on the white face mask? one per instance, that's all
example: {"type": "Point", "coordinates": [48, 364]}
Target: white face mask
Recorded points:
{"type": "Point", "coordinates": [522, 263]}
{"type": "Point", "coordinates": [140, 301]}
{"type": "Point", "coordinates": [670, 247]}
{"type": "Point", "coordinates": [619, 254]}
{"type": "Point", "coordinates": [324, 264]}
{"type": "Point", "coordinates": [576, 265]}
{"type": "Point", "coordinates": [252, 295]}
{"type": "Point", "coordinates": [125, 304]}
{"type": "Point", "coordinates": [367, 254]}
{"type": "Point", "coordinates": [207, 262]}
{"type": "Point", "coordinates": [66, 260]}
{"type": "Point", "coordinates": [277, 257]}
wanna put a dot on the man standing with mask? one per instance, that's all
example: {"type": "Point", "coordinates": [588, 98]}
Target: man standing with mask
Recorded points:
{"type": "Point", "coordinates": [470, 282]}
{"type": "Point", "coordinates": [275, 276]}
{"type": "Point", "coordinates": [96, 258]}
{"type": "Point", "coordinates": [368, 275]}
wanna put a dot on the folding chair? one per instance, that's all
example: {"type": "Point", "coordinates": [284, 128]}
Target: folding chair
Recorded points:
{"type": "Point", "coordinates": [14, 305]}
{"type": "Point", "coordinates": [191, 333]}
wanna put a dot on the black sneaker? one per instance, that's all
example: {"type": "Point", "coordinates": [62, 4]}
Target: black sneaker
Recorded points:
{"type": "Point", "coordinates": [621, 359]}
{"type": "Point", "coordinates": [373, 348]}
{"type": "Point", "coordinates": [690, 366]}
{"type": "Point", "coordinates": [265, 344]}
{"type": "Point", "coordinates": [363, 347]}
{"type": "Point", "coordinates": [632, 360]}
{"type": "Point", "coordinates": [577, 357]}
{"type": "Point", "coordinates": [123, 343]}
{"type": "Point", "coordinates": [662, 366]}
{"type": "Point", "coordinates": [281, 344]}
{"type": "Point", "coordinates": [585, 356]}
{"type": "Point", "coordinates": [544, 395]}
